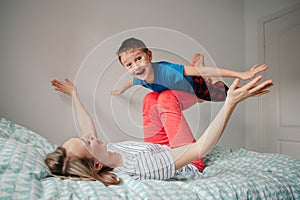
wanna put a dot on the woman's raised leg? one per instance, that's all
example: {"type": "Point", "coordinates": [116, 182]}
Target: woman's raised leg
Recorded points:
{"type": "Point", "coordinates": [164, 122]}
{"type": "Point", "coordinates": [154, 131]}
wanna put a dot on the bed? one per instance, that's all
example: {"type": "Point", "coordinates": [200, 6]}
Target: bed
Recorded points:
{"type": "Point", "coordinates": [230, 174]}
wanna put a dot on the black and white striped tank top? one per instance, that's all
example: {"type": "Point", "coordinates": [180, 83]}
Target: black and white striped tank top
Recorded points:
{"type": "Point", "coordinates": [145, 160]}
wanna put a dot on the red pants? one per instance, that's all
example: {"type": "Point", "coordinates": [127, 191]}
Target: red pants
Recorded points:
{"type": "Point", "coordinates": [164, 122]}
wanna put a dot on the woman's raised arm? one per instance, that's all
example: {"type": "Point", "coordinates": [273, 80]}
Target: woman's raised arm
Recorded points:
{"type": "Point", "coordinates": [85, 121]}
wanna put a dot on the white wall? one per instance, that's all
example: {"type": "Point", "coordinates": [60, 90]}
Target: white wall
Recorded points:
{"type": "Point", "coordinates": [43, 40]}
{"type": "Point", "coordinates": [256, 11]}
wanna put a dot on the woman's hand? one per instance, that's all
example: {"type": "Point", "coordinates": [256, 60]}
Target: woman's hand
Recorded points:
{"type": "Point", "coordinates": [253, 71]}
{"type": "Point", "coordinates": [66, 87]}
{"type": "Point", "coordinates": [236, 94]}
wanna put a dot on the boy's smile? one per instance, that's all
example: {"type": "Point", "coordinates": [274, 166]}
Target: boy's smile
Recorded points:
{"type": "Point", "coordinates": [140, 73]}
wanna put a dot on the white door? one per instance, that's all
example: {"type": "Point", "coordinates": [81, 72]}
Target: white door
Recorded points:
{"type": "Point", "coordinates": [282, 105]}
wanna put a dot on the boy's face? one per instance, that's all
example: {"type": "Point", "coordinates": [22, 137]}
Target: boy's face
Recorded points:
{"type": "Point", "coordinates": [137, 63]}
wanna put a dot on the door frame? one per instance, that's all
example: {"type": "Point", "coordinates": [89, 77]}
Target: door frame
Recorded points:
{"type": "Point", "coordinates": [261, 59]}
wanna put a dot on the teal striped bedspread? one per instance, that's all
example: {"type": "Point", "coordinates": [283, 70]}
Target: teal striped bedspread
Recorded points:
{"type": "Point", "coordinates": [229, 174]}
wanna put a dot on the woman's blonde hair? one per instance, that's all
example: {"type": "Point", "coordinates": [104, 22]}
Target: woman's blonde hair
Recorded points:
{"type": "Point", "coordinates": [67, 166]}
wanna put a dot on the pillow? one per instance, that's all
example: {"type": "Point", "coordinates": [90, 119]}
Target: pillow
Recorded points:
{"type": "Point", "coordinates": [21, 150]}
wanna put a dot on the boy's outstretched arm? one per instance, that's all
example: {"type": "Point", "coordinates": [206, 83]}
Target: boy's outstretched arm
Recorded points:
{"type": "Point", "coordinates": [85, 121]}
{"type": "Point", "coordinates": [186, 154]}
{"type": "Point", "coordinates": [222, 72]}
{"type": "Point", "coordinates": [128, 84]}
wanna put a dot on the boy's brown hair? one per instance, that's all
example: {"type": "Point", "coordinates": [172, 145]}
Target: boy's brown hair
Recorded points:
{"type": "Point", "coordinates": [129, 44]}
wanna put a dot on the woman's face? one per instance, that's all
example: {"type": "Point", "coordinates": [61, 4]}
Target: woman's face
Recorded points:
{"type": "Point", "coordinates": [86, 147]}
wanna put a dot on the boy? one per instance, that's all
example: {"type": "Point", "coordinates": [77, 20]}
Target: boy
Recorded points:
{"type": "Point", "coordinates": [136, 58]}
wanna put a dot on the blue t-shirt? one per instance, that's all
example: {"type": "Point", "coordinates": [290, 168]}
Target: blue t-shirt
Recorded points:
{"type": "Point", "coordinates": [168, 76]}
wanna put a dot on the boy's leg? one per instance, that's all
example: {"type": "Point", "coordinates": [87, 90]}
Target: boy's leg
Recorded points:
{"type": "Point", "coordinates": [209, 91]}
{"type": "Point", "coordinates": [210, 88]}
{"type": "Point", "coordinates": [154, 131]}
{"type": "Point", "coordinates": [171, 105]}
{"type": "Point", "coordinates": [197, 60]}
{"type": "Point", "coordinates": [217, 90]}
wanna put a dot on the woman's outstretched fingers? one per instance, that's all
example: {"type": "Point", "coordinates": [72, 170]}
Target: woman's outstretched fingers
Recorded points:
{"type": "Point", "coordinates": [235, 84]}
{"type": "Point", "coordinates": [261, 88]}
{"type": "Point", "coordinates": [57, 83]}
{"type": "Point", "coordinates": [250, 89]}
{"type": "Point", "coordinates": [252, 84]}
{"type": "Point", "coordinates": [257, 94]}
{"type": "Point", "coordinates": [68, 81]}
{"type": "Point", "coordinates": [65, 87]}
{"type": "Point", "coordinates": [255, 89]}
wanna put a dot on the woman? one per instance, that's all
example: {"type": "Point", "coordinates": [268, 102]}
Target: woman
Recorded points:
{"type": "Point", "coordinates": [174, 88]}
{"type": "Point", "coordinates": [90, 158]}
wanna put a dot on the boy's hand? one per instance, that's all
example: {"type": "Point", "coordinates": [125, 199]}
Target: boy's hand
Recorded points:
{"type": "Point", "coordinates": [253, 71]}
{"type": "Point", "coordinates": [116, 92]}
